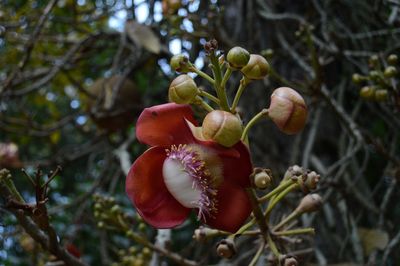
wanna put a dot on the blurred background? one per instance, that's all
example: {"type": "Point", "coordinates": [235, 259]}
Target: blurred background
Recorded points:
{"type": "Point", "coordinates": [74, 75]}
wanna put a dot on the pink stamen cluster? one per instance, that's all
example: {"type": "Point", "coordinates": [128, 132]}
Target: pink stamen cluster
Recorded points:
{"type": "Point", "coordinates": [196, 168]}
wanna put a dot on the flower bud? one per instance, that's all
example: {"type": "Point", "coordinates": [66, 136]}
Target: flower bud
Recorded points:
{"type": "Point", "coordinates": [222, 127]}
{"type": "Point", "coordinates": [290, 261]}
{"type": "Point", "coordinates": [392, 59]}
{"type": "Point", "coordinates": [293, 172]}
{"type": "Point", "coordinates": [374, 75]}
{"type": "Point", "coordinates": [180, 63]}
{"type": "Point", "coordinates": [312, 180]}
{"type": "Point", "coordinates": [381, 95]}
{"type": "Point", "coordinates": [202, 233]}
{"type": "Point", "coordinates": [288, 110]}
{"type": "Point", "coordinates": [256, 68]}
{"type": "Point", "coordinates": [9, 156]}
{"type": "Point", "coordinates": [390, 72]}
{"type": "Point", "coordinates": [357, 78]}
{"type": "Point", "coordinates": [373, 61]}
{"type": "Point", "coordinates": [367, 92]}
{"type": "Point", "coordinates": [310, 203]}
{"type": "Point", "coordinates": [183, 90]}
{"type": "Point", "coordinates": [262, 178]}
{"type": "Point", "coordinates": [170, 6]}
{"type": "Point", "coordinates": [238, 57]}
{"type": "Point", "coordinates": [226, 248]}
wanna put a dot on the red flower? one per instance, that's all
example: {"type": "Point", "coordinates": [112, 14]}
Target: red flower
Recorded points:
{"type": "Point", "coordinates": [182, 172]}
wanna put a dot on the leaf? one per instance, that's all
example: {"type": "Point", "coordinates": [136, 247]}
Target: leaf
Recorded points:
{"type": "Point", "coordinates": [142, 35]}
{"type": "Point", "coordinates": [372, 239]}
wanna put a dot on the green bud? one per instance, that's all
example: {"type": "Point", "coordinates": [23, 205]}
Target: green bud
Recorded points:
{"type": "Point", "coordinates": [373, 61]}
{"type": "Point", "coordinates": [374, 75]}
{"type": "Point", "coordinates": [357, 78]}
{"type": "Point", "coordinates": [142, 227]}
{"type": "Point", "coordinates": [115, 209]}
{"type": "Point", "coordinates": [256, 68]}
{"type": "Point", "coordinates": [97, 206]}
{"type": "Point", "coordinates": [132, 250]}
{"type": "Point", "coordinates": [392, 59]}
{"type": "Point", "coordinates": [183, 90]}
{"type": "Point", "coordinates": [381, 95]}
{"type": "Point", "coordinates": [100, 224]}
{"type": "Point", "coordinates": [390, 72]}
{"type": "Point", "coordinates": [222, 127]}
{"type": "Point", "coordinates": [238, 57]}
{"type": "Point", "coordinates": [367, 92]}
{"type": "Point", "coordinates": [180, 63]}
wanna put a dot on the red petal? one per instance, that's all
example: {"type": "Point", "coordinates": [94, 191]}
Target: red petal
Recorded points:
{"type": "Point", "coordinates": [146, 189]}
{"type": "Point", "coordinates": [164, 125]}
{"type": "Point", "coordinates": [238, 169]}
{"type": "Point", "coordinates": [233, 206]}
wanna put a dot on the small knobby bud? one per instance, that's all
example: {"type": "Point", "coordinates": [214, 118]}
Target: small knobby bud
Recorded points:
{"type": "Point", "coordinates": [238, 57]}
{"type": "Point", "coordinates": [367, 92]}
{"type": "Point", "coordinates": [201, 233]}
{"type": "Point", "coordinates": [312, 180]}
{"type": "Point", "coordinates": [290, 261]}
{"type": "Point", "coordinates": [381, 95]}
{"type": "Point", "coordinates": [180, 63]}
{"type": "Point", "coordinates": [222, 127]}
{"type": "Point", "coordinates": [288, 110]}
{"type": "Point", "coordinates": [373, 61]}
{"type": "Point", "coordinates": [392, 59]}
{"type": "Point", "coordinates": [310, 203]}
{"type": "Point", "coordinates": [226, 248]}
{"type": "Point", "coordinates": [256, 68]}
{"type": "Point", "coordinates": [357, 78]}
{"type": "Point", "coordinates": [9, 156]}
{"type": "Point", "coordinates": [293, 172]}
{"type": "Point", "coordinates": [211, 46]}
{"type": "Point", "coordinates": [390, 72]}
{"type": "Point", "coordinates": [262, 178]}
{"type": "Point", "coordinates": [374, 75]}
{"type": "Point", "coordinates": [183, 90]}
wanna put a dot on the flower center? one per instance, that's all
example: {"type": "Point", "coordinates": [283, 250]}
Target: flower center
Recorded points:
{"type": "Point", "coordinates": [188, 179]}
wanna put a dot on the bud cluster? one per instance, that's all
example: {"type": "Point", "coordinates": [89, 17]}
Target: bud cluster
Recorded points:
{"type": "Point", "coordinates": [378, 84]}
{"type": "Point", "coordinates": [307, 179]}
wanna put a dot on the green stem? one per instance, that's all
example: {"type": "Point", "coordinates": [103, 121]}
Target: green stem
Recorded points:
{"type": "Point", "coordinates": [202, 74]}
{"type": "Point", "coordinates": [209, 96]}
{"type": "Point", "coordinates": [273, 247]}
{"type": "Point", "coordinates": [6, 179]}
{"type": "Point", "coordinates": [245, 227]}
{"type": "Point", "coordinates": [243, 83]}
{"type": "Point", "coordinates": [291, 216]}
{"type": "Point", "coordinates": [205, 105]}
{"type": "Point", "coordinates": [226, 77]}
{"type": "Point", "coordinates": [257, 211]}
{"type": "Point", "coordinates": [276, 190]}
{"type": "Point", "coordinates": [257, 255]}
{"type": "Point", "coordinates": [250, 124]}
{"type": "Point", "coordinates": [299, 231]}
{"type": "Point", "coordinates": [216, 69]}
{"type": "Point", "coordinates": [279, 197]}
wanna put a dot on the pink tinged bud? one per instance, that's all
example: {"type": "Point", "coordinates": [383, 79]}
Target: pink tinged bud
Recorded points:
{"type": "Point", "coordinates": [222, 127]}
{"type": "Point", "coordinates": [310, 203]}
{"type": "Point", "coordinates": [238, 57]}
{"type": "Point", "coordinates": [256, 68]}
{"type": "Point", "coordinates": [288, 110]}
{"type": "Point", "coordinates": [183, 90]}
{"type": "Point", "coordinates": [226, 248]}
{"type": "Point", "coordinates": [180, 63]}
{"type": "Point", "coordinates": [290, 261]}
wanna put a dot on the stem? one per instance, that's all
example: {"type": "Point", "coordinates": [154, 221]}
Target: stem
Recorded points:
{"type": "Point", "coordinates": [291, 216]}
{"type": "Point", "coordinates": [279, 197]}
{"type": "Point", "coordinates": [6, 179]}
{"type": "Point", "coordinates": [245, 227]}
{"type": "Point", "coordinates": [218, 81]}
{"type": "Point", "coordinates": [276, 190]}
{"type": "Point", "coordinates": [250, 124]}
{"type": "Point", "coordinates": [201, 74]}
{"type": "Point", "coordinates": [209, 96]}
{"type": "Point", "coordinates": [307, 230]}
{"type": "Point", "coordinates": [227, 75]}
{"type": "Point", "coordinates": [243, 83]}
{"type": "Point", "coordinates": [257, 211]}
{"type": "Point", "coordinates": [257, 255]}
{"type": "Point", "coordinates": [205, 105]}
{"type": "Point", "coordinates": [272, 246]}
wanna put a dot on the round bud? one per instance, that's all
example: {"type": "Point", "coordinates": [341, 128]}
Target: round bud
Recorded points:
{"type": "Point", "coordinates": [182, 90]}
{"type": "Point", "coordinates": [170, 6]}
{"type": "Point", "coordinates": [256, 68]}
{"type": "Point", "coordinates": [390, 72]}
{"type": "Point", "coordinates": [288, 110]}
{"type": "Point", "coordinates": [381, 95]}
{"type": "Point", "coordinates": [373, 61]}
{"type": "Point", "coordinates": [226, 248]}
{"type": "Point", "coordinates": [238, 57]}
{"type": "Point", "coordinates": [357, 78]}
{"type": "Point", "coordinates": [310, 203]}
{"type": "Point", "coordinates": [180, 63]}
{"type": "Point", "coordinates": [392, 59]}
{"type": "Point", "coordinates": [290, 261]}
{"type": "Point", "coordinates": [367, 92]}
{"type": "Point", "coordinates": [374, 75]}
{"type": "Point", "coordinates": [262, 180]}
{"type": "Point", "coordinates": [222, 127]}
{"type": "Point", "coordinates": [269, 53]}
{"type": "Point", "coordinates": [9, 155]}
{"type": "Point", "coordinates": [312, 180]}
